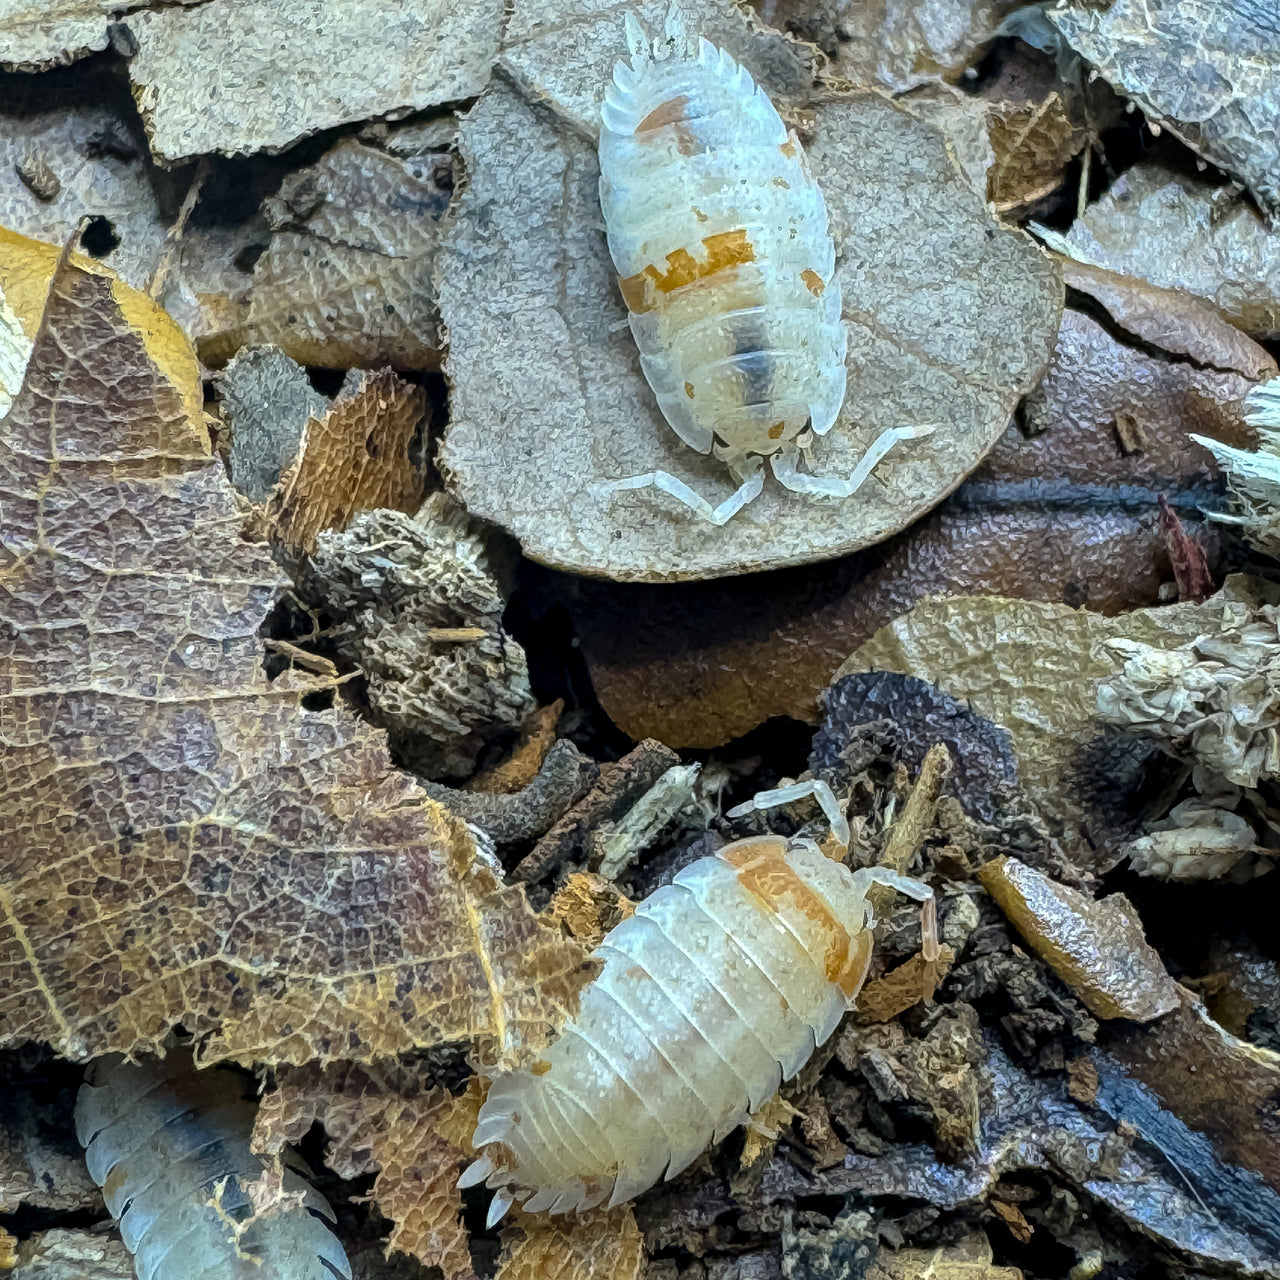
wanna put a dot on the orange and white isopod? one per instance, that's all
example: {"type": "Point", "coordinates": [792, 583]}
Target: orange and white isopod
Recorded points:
{"type": "Point", "coordinates": [721, 985]}
{"type": "Point", "coordinates": [725, 261]}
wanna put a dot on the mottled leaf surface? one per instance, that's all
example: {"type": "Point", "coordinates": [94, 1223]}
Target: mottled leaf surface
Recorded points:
{"type": "Point", "coordinates": [240, 76]}
{"type": "Point", "coordinates": [1178, 233]}
{"type": "Point", "coordinates": [184, 842]}
{"type": "Point", "coordinates": [951, 319]}
{"type": "Point", "coordinates": [1208, 70]}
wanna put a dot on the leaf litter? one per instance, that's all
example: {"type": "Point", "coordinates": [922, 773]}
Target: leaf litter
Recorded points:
{"type": "Point", "coordinates": [212, 842]}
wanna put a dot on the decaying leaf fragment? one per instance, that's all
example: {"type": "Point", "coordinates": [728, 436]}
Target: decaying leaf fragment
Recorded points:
{"type": "Point", "coordinates": [170, 1148]}
{"type": "Point", "coordinates": [353, 458]}
{"type": "Point", "coordinates": [600, 1242]}
{"type": "Point", "coordinates": [970, 1259]}
{"type": "Point", "coordinates": [419, 604]}
{"type": "Point", "coordinates": [185, 843]}
{"type": "Point", "coordinates": [1096, 946]}
{"type": "Point", "coordinates": [548, 408]}
{"type": "Point", "coordinates": [1178, 233]}
{"type": "Point", "coordinates": [346, 277]}
{"type": "Point", "coordinates": [1207, 70]}
{"type": "Point", "coordinates": [415, 1138]}
{"type": "Point", "coordinates": [893, 44]}
{"type": "Point", "coordinates": [255, 75]}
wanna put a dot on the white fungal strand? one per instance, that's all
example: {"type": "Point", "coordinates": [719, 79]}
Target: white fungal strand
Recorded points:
{"type": "Point", "coordinates": [720, 986]}
{"type": "Point", "coordinates": [719, 235]}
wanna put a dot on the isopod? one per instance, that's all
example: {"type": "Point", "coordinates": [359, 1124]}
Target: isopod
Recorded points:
{"type": "Point", "coordinates": [169, 1146]}
{"type": "Point", "coordinates": [719, 987]}
{"type": "Point", "coordinates": [719, 235]}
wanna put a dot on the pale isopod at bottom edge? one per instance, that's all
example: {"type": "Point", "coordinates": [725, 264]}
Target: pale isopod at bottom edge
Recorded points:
{"type": "Point", "coordinates": [719, 987]}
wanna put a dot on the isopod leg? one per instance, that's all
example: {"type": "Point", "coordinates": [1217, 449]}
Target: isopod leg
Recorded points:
{"type": "Point", "coordinates": [797, 791]}
{"type": "Point", "coordinates": [664, 480]}
{"type": "Point", "coordinates": [917, 889]}
{"type": "Point", "coordinates": [784, 466]}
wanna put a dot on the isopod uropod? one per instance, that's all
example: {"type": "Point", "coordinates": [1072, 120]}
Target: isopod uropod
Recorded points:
{"type": "Point", "coordinates": [720, 986]}
{"type": "Point", "coordinates": [719, 235]}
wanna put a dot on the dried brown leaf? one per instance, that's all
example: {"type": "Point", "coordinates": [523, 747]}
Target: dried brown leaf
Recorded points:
{"type": "Point", "coordinates": [547, 409]}
{"type": "Point", "coordinates": [1033, 143]}
{"type": "Point", "coordinates": [1207, 70]}
{"type": "Point", "coordinates": [353, 458]}
{"type": "Point", "coordinates": [1190, 570]}
{"type": "Point", "coordinates": [1019, 1228]}
{"type": "Point", "coordinates": [255, 75]}
{"type": "Point", "coordinates": [1082, 1080]}
{"type": "Point", "coordinates": [600, 1242]}
{"type": "Point", "coordinates": [907, 985]}
{"type": "Point", "coordinates": [416, 1139]}
{"type": "Point", "coordinates": [1178, 233]}
{"type": "Point", "coordinates": [346, 278]}
{"type": "Point", "coordinates": [186, 843]}
{"type": "Point", "coordinates": [1095, 945]}
{"type": "Point", "coordinates": [1173, 322]}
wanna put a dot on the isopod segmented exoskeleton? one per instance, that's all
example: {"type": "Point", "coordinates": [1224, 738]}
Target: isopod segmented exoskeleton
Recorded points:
{"type": "Point", "coordinates": [720, 986]}
{"type": "Point", "coordinates": [725, 261]}
{"type": "Point", "coordinates": [169, 1146]}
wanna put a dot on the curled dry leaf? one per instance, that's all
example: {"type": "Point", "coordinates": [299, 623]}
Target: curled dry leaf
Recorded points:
{"type": "Point", "coordinates": [186, 843]}
{"type": "Point", "coordinates": [1180, 233]}
{"type": "Point", "coordinates": [354, 457]}
{"type": "Point", "coordinates": [1207, 70]}
{"type": "Point", "coordinates": [256, 75]}
{"type": "Point", "coordinates": [416, 1139]}
{"type": "Point", "coordinates": [1096, 946]}
{"type": "Point", "coordinates": [600, 1242]}
{"type": "Point", "coordinates": [950, 318]}
{"type": "Point", "coordinates": [346, 277]}
{"type": "Point", "coordinates": [1033, 668]}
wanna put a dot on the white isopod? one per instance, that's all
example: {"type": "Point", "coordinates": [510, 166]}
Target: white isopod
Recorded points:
{"type": "Point", "coordinates": [169, 1146]}
{"type": "Point", "coordinates": [720, 986]}
{"type": "Point", "coordinates": [719, 235]}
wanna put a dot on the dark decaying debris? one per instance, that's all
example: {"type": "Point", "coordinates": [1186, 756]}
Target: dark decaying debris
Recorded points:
{"type": "Point", "coordinates": [985, 773]}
